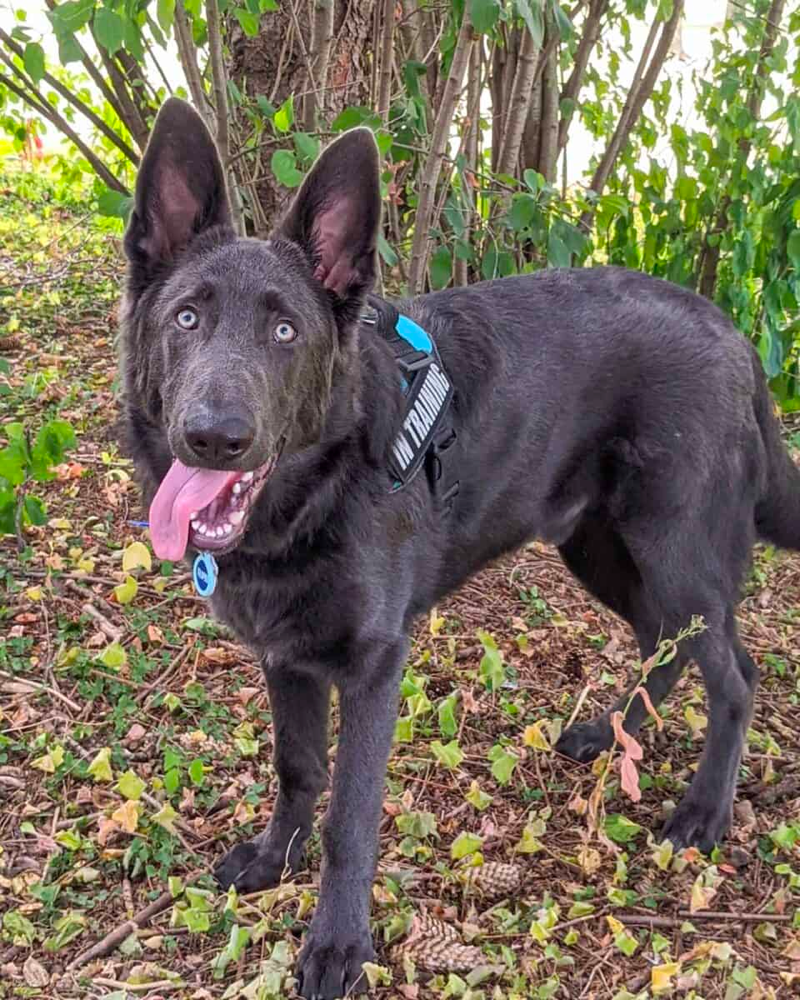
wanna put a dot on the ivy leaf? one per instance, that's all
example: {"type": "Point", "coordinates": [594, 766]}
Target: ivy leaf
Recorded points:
{"type": "Point", "coordinates": [307, 146]}
{"type": "Point", "coordinates": [503, 764]}
{"type": "Point", "coordinates": [33, 60]}
{"type": "Point", "coordinates": [131, 785]}
{"type": "Point", "coordinates": [127, 816]}
{"type": "Point", "coordinates": [478, 798]}
{"type": "Point", "coordinates": [165, 817]}
{"type": "Point", "coordinates": [34, 510]}
{"type": "Point", "coordinates": [464, 844]}
{"type": "Point", "coordinates": [126, 591]}
{"type": "Point", "coordinates": [450, 755]}
{"type": "Point", "coordinates": [100, 767]}
{"type": "Point", "coordinates": [113, 656]}
{"type": "Point", "coordinates": [135, 555]}
{"type": "Point", "coordinates": [621, 829]}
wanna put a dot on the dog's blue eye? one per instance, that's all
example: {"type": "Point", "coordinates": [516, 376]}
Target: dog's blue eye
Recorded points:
{"type": "Point", "coordinates": [285, 333]}
{"type": "Point", "coordinates": [187, 319]}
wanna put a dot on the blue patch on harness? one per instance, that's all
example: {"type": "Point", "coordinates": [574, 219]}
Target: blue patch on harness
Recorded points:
{"type": "Point", "coordinates": [413, 334]}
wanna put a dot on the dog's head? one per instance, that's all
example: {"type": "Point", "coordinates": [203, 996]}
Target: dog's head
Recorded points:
{"type": "Point", "coordinates": [234, 346]}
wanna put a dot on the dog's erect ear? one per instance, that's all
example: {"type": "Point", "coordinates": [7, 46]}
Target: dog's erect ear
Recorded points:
{"type": "Point", "coordinates": [335, 216]}
{"type": "Point", "coordinates": [180, 188]}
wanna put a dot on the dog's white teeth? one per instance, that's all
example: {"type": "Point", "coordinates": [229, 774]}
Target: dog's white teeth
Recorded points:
{"type": "Point", "coordinates": [236, 516]}
{"type": "Point", "coordinates": [195, 524]}
{"type": "Point", "coordinates": [202, 528]}
{"type": "Point", "coordinates": [237, 488]}
{"type": "Point", "coordinates": [247, 477]}
{"type": "Point", "coordinates": [194, 515]}
{"type": "Point", "coordinates": [220, 532]}
{"type": "Point", "coordinates": [227, 528]}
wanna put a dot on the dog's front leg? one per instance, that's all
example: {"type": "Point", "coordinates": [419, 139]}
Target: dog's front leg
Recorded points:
{"type": "Point", "coordinates": [339, 939]}
{"type": "Point", "coordinates": [300, 705]}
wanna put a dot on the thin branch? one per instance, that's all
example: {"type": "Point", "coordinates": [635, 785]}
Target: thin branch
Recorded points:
{"type": "Point", "coordinates": [220, 85]}
{"type": "Point", "coordinates": [319, 57]}
{"type": "Point", "coordinates": [55, 119]}
{"type": "Point", "coordinates": [76, 102]}
{"type": "Point", "coordinates": [187, 53]}
{"type": "Point", "coordinates": [472, 133]}
{"type": "Point", "coordinates": [644, 82]}
{"type": "Point", "coordinates": [433, 165]}
{"type": "Point", "coordinates": [518, 103]}
{"type": "Point", "coordinates": [710, 255]}
{"type": "Point", "coordinates": [572, 88]}
{"type": "Point", "coordinates": [386, 55]}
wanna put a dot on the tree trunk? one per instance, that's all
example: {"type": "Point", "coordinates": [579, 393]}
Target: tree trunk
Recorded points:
{"type": "Point", "coordinates": [275, 64]}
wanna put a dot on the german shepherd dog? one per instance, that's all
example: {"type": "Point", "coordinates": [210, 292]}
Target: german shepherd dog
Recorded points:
{"type": "Point", "coordinates": [618, 416]}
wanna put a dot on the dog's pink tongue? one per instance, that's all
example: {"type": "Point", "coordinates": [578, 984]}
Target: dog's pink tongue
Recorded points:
{"type": "Point", "coordinates": [182, 491]}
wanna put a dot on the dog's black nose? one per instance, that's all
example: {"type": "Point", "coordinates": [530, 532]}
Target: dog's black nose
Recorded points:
{"type": "Point", "coordinates": [219, 441]}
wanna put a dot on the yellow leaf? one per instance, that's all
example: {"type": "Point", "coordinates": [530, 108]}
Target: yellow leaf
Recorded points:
{"type": "Point", "coordinates": [534, 737]}
{"type": "Point", "coordinates": [127, 816]}
{"type": "Point", "coordinates": [34, 593]}
{"type": "Point", "coordinates": [661, 976]}
{"type": "Point", "coordinates": [166, 817]}
{"type": "Point", "coordinates": [50, 761]}
{"type": "Point", "coordinates": [126, 592]}
{"type": "Point", "coordinates": [136, 555]}
{"type": "Point", "coordinates": [100, 768]}
{"type": "Point", "coordinates": [86, 565]}
{"type": "Point", "coordinates": [60, 523]}
{"type": "Point", "coordinates": [615, 926]}
{"type": "Point", "coordinates": [697, 721]}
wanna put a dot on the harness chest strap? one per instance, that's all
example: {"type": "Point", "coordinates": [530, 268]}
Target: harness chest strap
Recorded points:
{"type": "Point", "coordinates": [426, 432]}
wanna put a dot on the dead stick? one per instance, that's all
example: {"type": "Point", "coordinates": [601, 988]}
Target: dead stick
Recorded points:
{"type": "Point", "coordinates": [117, 936]}
{"type": "Point", "coordinates": [34, 686]}
{"type": "Point", "coordinates": [654, 921]}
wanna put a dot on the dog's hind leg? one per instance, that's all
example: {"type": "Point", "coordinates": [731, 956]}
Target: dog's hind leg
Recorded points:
{"type": "Point", "coordinates": [597, 555]}
{"type": "Point", "coordinates": [300, 706]}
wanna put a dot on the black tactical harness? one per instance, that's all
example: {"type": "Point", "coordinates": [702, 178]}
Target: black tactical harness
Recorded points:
{"type": "Point", "coordinates": [427, 432]}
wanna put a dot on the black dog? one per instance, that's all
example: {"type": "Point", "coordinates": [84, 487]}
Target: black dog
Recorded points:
{"type": "Point", "coordinates": [618, 416]}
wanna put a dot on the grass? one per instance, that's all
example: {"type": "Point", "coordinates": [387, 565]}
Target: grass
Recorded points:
{"type": "Point", "coordinates": [135, 745]}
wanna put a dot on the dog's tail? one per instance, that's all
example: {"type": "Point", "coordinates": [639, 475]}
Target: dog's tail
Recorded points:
{"type": "Point", "coordinates": [778, 511]}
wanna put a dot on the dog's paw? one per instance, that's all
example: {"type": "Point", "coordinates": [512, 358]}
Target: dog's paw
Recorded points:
{"type": "Point", "coordinates": [330, 963]}
{"type": "Point", "coordinates": [701, 824]}
{"type": "Point", "coordinates": [249, 867]}
{"type": "Point", "coordinates": [586, 740]}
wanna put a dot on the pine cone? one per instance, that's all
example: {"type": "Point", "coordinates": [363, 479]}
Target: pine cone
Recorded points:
{"type": "Point", "coordinates": [493, 879]}
{"type": "Point", "coordinates": [434, 945]}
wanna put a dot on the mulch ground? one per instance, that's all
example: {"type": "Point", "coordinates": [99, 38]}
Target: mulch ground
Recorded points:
{"type": "Point", "coordinates": [135, 747]}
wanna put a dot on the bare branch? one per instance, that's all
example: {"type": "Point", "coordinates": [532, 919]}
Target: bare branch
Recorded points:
{"type": "Point", "coordinates": [572, 88]}
{"type": "Point", "coordinates": [187, 53]}
{"type": "Point", "coordinates": [76, 102]}
{"type": "Point", "coordinates": [642, 86]}
{"type": "Point", "coordinates": [322, 24]}
{"type": "Point", "coordinates": [433, 165]}
{"type": "Point", "coordinates": [219, 81]}
{"type": "Point", "coordinates": [518, 102]}
{"type": "Point", "coordinates": [386, 55]}
{"type": "Point", "coordinates": [47, 111]}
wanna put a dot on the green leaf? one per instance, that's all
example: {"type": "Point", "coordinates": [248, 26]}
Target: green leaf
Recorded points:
{"type": "Point", "coordinates": [197, 772]}
{"type": "Point", "coordinates": [131, 785]}
{"type": "Point", "coordinates": [109, 30]}
{"type": "Point", "coordinates": [503, 764]}
{"type": "Point", "coordinates": [450, 755]}
{"type": "Point", "coordinates": [558, 254]}
{"type": "Point", "coordinates": [100, 767]}
{"type": "Point", "coordinates": [33, 60]}
{"type": "Point", "coordinates": [165, 14]}
{"type": "Point", "coordinates": [249, 22]}
{"type": "Point", "coordinates": [464, 844]}
{"type": "Point", "coordinates": [114, 204]}
{"type": "Point", "coordinates": [484, 14]}
{"type": "Point", "coordinates": [388, 255]}
{"type": "Point", "coordinates": [523, 211]}
{"type": "Point", "coordinates": [417, 824]}
{"type": "Point", "coordinates": [621, 829]}
{"type": "Point", "coordinates": [126, 592]}
{"type": "Point", "coordinates": [441, 268]}
{"type": "Point", "coordinates": [165, 818]}
{"type": "Point", "coordinates": [34, 511]}
{"type": "Point", "coordinates": [476, 797]}
{"type": "Point", "coordinates": [307, 146]}
{"type": "Point", "coordinates": [793, 248]}
{"type": "Point", "coordinates": [113, 656]}
{"type": "Point", "coordinates": [447, 717]}
{"type": "Point", "coordinates": [565, 28]}
{"type": "Point", "coordinates": [284, 166]}
{"type": "Point", "coordinates": [19, 927]}
{"type": "Point", "coordinates": [66, 928]}
{"type": "Point", "coordinates": [354, 116]}
{"type": "Point", "coordinates": [284, 116]}
{"type": "Point", "coordinates": [533, 16]}
{"type": "Point", "coordinates": [492, 668]}
{"type": "Point", "coordinates": [71, 16]}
